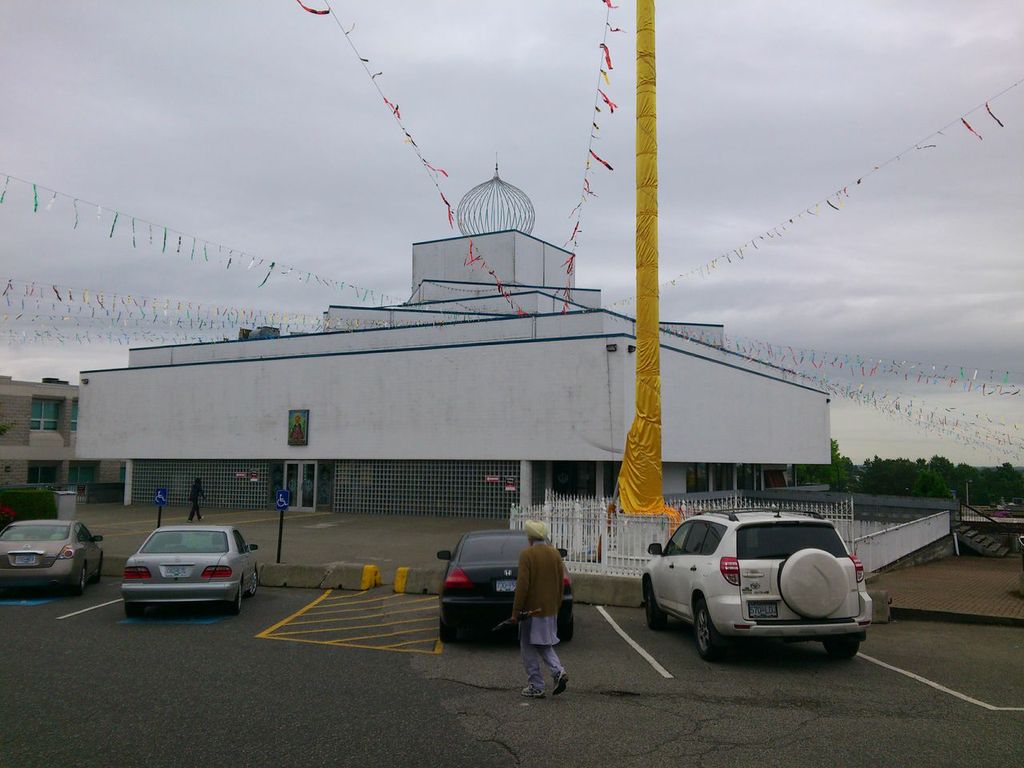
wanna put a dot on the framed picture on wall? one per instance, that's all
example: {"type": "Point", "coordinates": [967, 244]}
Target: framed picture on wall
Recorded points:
{"type": "Point", "coordinates": [298, 427]}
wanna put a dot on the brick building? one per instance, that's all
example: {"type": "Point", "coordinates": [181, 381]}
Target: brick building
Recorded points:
{"type": "Point", "coordinates": [42, 429]}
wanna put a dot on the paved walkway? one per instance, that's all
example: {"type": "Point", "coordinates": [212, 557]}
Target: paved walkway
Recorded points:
{"type": "Point", "coordinates": [968, 586]}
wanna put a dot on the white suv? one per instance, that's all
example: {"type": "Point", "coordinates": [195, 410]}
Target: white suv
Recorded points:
{"type": "Point", "coordinates": [759, 573]}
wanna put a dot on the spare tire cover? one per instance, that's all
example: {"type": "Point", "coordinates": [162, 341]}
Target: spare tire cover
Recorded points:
{"type": "Point", "coordinates": [813, 583]}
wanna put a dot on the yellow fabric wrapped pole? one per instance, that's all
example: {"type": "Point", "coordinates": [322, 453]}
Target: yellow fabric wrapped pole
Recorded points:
{"type": "Point", "coordinates": [640, 485]}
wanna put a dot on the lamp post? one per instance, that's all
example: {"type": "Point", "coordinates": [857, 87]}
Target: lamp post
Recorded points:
{"type": "Point", "coordinates": [967, 494]}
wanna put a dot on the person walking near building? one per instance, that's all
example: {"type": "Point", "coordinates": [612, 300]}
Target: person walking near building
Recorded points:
{"type": "Point", "coordinates": [535, 608]}
{"type": "Point", "coordinates": [194, 496]}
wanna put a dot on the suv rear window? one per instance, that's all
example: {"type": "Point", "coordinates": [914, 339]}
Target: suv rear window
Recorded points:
{"type": "Point", "coordinates": [770, 541]}
{"type": "Point", "coordinates": [491, 549]}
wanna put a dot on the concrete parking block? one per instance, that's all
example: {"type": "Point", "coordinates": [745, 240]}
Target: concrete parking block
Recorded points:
{"type": "Point", "coordinates": [350, 576]}
{"type": "Point", "coordinates": [880, 606]}
{"type": "Point", "coordinates": [284, 575]}
{"type": "Point", "coordinates": [597, 589]}
{"type": "Point", "coordinates": [419, 581]}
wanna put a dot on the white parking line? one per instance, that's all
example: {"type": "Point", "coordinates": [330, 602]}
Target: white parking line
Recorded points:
{"type": "Point", "coordinates": [636, 647]}
{"type": "Point", "coordinates": [938, 687]}
{"type": "Point", "coordinates": [86, 610]}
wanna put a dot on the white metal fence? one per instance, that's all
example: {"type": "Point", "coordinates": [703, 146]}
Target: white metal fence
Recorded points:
{"type": "Point", "coordinates": [599, 541]}
{"type": "Point", "coordinates": [879, 549]}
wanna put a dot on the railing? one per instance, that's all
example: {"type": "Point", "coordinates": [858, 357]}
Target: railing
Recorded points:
{"type": "Point", "coordinates": [1003, 525]}
{"type": "Point", "coordinates": [839, 512]}
{"type": "Point", "coordinates": [596, 540]}
{"type": "Point", "coordinates": [879, 549]}
{"type": "Point", "coordinates": [599, 541]}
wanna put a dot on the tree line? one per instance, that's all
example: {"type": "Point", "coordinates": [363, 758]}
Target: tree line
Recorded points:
{"type": "Point", "coordinates": [937, 478]}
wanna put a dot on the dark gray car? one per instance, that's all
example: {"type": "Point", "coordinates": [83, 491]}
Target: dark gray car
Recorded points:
{"type": "Point", "coordinates": [190, 563]}
{"type": "Point", "coordinates": [49, 553]}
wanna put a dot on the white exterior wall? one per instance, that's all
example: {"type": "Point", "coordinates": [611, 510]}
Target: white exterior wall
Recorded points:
{"type": "Point", "coordinates": [538, 400]}
{"type": "Point", "coordinates": [514, 257]}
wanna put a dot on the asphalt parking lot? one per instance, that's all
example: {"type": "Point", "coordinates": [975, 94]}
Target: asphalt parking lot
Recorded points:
{"type": "Point", "coordinates": [83, 686]}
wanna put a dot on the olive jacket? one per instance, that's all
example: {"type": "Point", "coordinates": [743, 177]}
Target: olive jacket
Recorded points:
{"type": "Point", "coordinates": [539, 583]}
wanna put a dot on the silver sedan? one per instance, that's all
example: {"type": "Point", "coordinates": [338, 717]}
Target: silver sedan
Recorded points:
{"type": "Point", "coordinates": [186, 563]}
{"type": "Point", "coordinates": [49, 553]}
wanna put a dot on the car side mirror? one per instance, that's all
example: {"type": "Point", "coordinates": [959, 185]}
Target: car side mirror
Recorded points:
{"type": "Point", "coordinates": [253, 547]}
{"type": "Point", "coordinates": [444, 554]}
{"type": "Point", "coordinates": [97, 538]}
{"type": "Point", "coordinates": [563, 552]}
{"type": "Point", "coordinates": [654, 549]}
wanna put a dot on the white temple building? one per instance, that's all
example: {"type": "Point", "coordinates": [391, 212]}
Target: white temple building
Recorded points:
{"type": "Point", "coordinates": [497, 380]}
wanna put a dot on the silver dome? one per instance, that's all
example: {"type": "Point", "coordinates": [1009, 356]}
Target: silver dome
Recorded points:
{"type": "Point", "coordinates": [495, 206]}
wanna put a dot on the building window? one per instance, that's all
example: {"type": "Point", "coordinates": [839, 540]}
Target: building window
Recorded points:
{"type": "Point", "coordinates": [74, 415]}
{"type": "Point", "coordinates": [81, 474]}
{"type": "Point", "coordinates": [697, 478]}
{"type": "Point", "coordinates": [45, 415]}
{"type": "Point", "coordinates": [42, 474]}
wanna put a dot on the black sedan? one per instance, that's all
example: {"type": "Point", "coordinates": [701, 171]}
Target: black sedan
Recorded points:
{"type": "Point", "coordinates": [480, 584]}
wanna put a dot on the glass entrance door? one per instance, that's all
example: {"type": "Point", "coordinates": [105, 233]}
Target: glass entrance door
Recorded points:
{"type": "Point", "coordinates": [300, 480]}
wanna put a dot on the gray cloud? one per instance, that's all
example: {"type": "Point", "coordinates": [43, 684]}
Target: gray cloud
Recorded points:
{"type": "Point", "coordinates": [252, 124]}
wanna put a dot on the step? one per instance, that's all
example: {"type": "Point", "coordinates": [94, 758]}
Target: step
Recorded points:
{"type": "Point", "coordinates": [1003, 552]}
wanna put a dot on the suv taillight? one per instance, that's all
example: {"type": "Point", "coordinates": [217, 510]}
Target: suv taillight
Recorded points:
{"type": "Point", "coordinates": [859, 567]}
{"type": "Point", "coordinates": [216, 572]}
{"type": "Point", "coordinates": [458, 579]}
{"type": "Point", "coordinates": [565, 581]}
{"type": "Point", "coordinates": [136, 572]}
{"type": "Point", "coordinates": [730, 568]}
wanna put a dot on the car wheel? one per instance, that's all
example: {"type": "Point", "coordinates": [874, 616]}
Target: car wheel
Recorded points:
{"type": "Point", "coordinates": [134, 610]}
{"type": "Point", "coordinates": [254, 583]}
{"type": "Point", "coordinates": [841, 647]}
{"type": "Point", "coordinates": [234, 607]}
{"type": "Point", "coordinates": [79, 588]}
{"type": "Point", "coordinates": [656, 618]}
{"type": "Point", "coordinates": [446, 633]}
{"type": "Point", "coordinates": [99, 572]}
{"type": "Point", "coordinates": [709, 642]}
{"type": "Point", "coordinates": [565, 631]}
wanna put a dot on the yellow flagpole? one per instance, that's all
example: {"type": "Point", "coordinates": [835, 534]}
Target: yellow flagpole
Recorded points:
{"type": "Point", "coordinates": [640, 483]}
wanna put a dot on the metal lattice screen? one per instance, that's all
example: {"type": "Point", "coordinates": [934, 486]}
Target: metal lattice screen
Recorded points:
{"type": "Point", "coordinates": [426, 487]}
{"type": "Point", "coordinates": [228, 483]}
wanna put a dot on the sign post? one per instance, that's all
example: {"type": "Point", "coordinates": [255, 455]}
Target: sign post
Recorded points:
{"type": "Point", "coordinates": [282, 497]}
{"type": "Point", "coordinates": [160, 499]}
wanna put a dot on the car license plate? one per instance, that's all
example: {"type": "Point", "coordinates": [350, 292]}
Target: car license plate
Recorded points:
{"type": "Point", "coordinates": [763, 609]}
{"type": "Point", "coordinates": [505, 585]}
{"type": "Point", "coordinates": [24, 559]}
{"type": "Point", "coordinates": [176, 571]}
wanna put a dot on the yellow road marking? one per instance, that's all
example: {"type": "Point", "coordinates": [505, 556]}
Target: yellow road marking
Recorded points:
{"type": "Point", "coordinates": [266, 632]}
{"type": "Point", "coordinates": [332, 611]}
{"type": "Point", "coordinates": [384, 634]}
{"type": "Point", "coordinates": [349, 598]}
{"type": "Point", "coordinates": [352, 645]}
{"type": "Point", "coordinates": [365, 616]}
{"type": "Point", "coordinates": [409, 642]}
{"type": "Point", "coordinates": [359, 626]}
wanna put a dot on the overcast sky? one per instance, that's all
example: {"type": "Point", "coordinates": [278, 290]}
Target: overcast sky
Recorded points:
{"type": "Point", "coordinates": [253, 124]}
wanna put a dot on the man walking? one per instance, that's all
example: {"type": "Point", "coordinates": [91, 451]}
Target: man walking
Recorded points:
{"type": "Point", "coordinates": [195, 495]}
{"type": "Point", "coordinates": [537, 600]}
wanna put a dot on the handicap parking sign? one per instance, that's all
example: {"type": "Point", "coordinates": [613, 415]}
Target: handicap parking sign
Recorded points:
{"type": "Point", "coordinates": [282, 499]}
{"type": "Point", "coordinates": [160, 498]}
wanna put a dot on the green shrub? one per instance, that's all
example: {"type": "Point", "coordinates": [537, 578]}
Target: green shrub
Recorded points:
{"type": "Point", "coordinates": [30, 503]}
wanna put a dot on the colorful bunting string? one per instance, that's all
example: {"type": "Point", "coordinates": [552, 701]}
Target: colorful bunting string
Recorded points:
{"type": "Point", "coordinates": [225, 255]}
{"type": "Point", "coordinates": [576, 215]}
{"type": "Point", "coordinates": [977, 430]}
{"type": "Point", "coordinates": [834, 201]}
{"type": "Point", "coordinates": [433, 172]}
